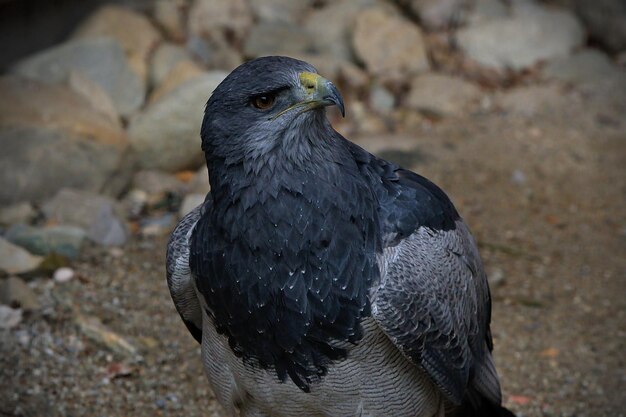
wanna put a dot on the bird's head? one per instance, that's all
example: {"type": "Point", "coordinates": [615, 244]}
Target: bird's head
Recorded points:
{"type": "Point", "coordinates": [265, 102]}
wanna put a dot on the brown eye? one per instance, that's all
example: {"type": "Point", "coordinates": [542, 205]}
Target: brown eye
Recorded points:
{"type": "Point", "coordinates": [264, 101]}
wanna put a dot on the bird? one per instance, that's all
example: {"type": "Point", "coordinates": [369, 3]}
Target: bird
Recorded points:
{"type": "Point", "coordinates": [319, 279]}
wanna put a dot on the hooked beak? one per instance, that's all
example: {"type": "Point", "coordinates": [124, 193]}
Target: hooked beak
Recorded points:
{"type": "Point", "coordinates": [319, 92]}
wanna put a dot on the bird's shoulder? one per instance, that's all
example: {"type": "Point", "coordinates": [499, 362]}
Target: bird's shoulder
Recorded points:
{"type": "Point", "coordinates": [406, 200]}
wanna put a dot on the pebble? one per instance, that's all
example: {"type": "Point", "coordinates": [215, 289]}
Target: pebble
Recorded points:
{"type": "Point", "coordinates": [518, 177]}
{"type": "Point", "coordinates": [155, 182]}
{"type": "Point", "coordinates": [15, 260]}
{"type": "Point", "coordinates": [63, 275]}
{"type": "Point", "coordinates": [497, 278]}
{"type": "Point", "coordinates": [382, 100]}
{"type": "Point", "coordinates": [107, 229]}
{"type": "Point", "coordinates": [15, 292]}
{"type": "Point", "coordinates": [61, 240]}
{"type": "Point", "coordinates": [190, 202]}
{"type": "Point", "coordinates": [157, 226]}
{"type": "Point", "coordinates": [93, 329]}
{"type": "Point", "coordinates": [9, 317]}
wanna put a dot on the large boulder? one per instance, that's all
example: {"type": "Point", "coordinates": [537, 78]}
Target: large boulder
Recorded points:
{"type": "Point", "coordinates": [52, 138]}
{"type": "Point", "coordinates": [132, 30]}
{"type": "Point", "coordinates": [443, 95]}
{"type": "Point", "coordinates": [100, 59]}
{"type": "Point", "coordinates": [285, 11]}
{"type": "Point", "coordinates": [437, 14]}
{"type": "Point", "coordinates": [207, 18]}
{"type": "Point", "coordinates": [277, 38]}
{"type": "Point", "coordinates": [531, 34]}
{"type": "Point", "coordinates": [330, 27]}
{"type": "Point", "coordinates": [98, 215]}
{"type": "Point", "coordinates": [167, 134]}
{"type": "Point", "coordinates": [605, 20]}
{"type": "Point", "coordinates": [389, 46]}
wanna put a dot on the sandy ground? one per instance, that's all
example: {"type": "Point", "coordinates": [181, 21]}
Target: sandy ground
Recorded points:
{"type": "Point", "coordinates": [545, 198]}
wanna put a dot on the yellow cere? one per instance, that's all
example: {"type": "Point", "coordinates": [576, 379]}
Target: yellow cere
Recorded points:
{"type": "Point", "coordinates": [309, 81]}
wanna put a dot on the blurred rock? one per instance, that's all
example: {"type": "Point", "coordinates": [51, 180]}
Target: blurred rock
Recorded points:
{"type": "Point", "coordinates": [438, 14]}
{"type": "Point", "coordinates": [330, 27]}
{"type": "Point", "coordinates": [180, 74]}
{"type": "Point", "coordinates": [51, 126]}
{"type": "Point", "coordinates": [15, 260]}
{"type": "Point", "coordinates": [62, 240]}
{"type": "Point", "coordinates": [605, 20]}
{"type": "Point", "coordinates": [274, 38]}
{"type": "Point", "coordinates": [390, 47]}
{"type": "Point", "coordinates": [381, 99]}
{"type": "Point", "coordinates": [280, 11]}
{"type": "Point", "coordinates": [93, 329]}
{"type": "Point", "coordinates": [365, 122]}
{"type": "Point", "coordinates": [132, 30]}
{"type": "Point", "coordinates": [199, 184]}
{"type": "Point", "coordinates": [107, 229]}
{"type": "Point", "coordinates": [532, 101]}
{"type": "Point", "coordinates": [485, 10]}
{"type": "Point", "coordinates": [63, 275]}
{"type": "Point", "coordinates": [585, 66]}
{"type": "Point", "coordinates": [9, 317]}
{"type": "Point", "coordinates": [157, 225]}
{"type": "Point", "coordinates": [94, 94]}
{"type": "Point", "coordinates": [157, 182]}
{"type": "Point", "coordinates": [534, 33]}
{"type": "Point", "coordinates": [496, 278]}
{"type": "Point", "coordinates": [518, 177]}
{"type": "Point", "coordinates": [100, 59]}
{"type": "Point", "coordinates": [443, 95]}
{"type": "Point", "coordinates": [215, 52]}
{"type": "Point", "coordinates": [165, 58]}
{"type": "Point", "coordinates": [15, 293]}
{"type": "Point", "coordinates": [17, 213]}
{"type": "Point", "coordinates": [209, 17]}
{"type": "Point", "coordinates": [190, 202]}
{"type": "Point", "coordinates": [169, 15]}
{"type": "Point", "coordinates": [167, 134]}
{"type": "Point", "coordinates": [135, 202]}
{"type": "Point", "coordinates": [94, 213]}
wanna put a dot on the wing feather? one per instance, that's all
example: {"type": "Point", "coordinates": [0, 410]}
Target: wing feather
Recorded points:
{"type": "Point", "coordinates": [179, 277]}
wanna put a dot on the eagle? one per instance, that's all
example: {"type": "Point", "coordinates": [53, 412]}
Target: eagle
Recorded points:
{"type": "Point", "coordinates": [319, 279]}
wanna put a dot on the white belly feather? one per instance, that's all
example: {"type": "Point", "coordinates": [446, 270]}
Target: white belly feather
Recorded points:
{"type": "Point", "coordinates": [374, 381]}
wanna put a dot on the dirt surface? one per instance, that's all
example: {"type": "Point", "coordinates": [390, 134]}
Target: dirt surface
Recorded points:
{"type": "Point", "coordinates": [545, 198]}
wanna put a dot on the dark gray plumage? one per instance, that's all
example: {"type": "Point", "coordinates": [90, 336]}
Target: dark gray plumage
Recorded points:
{"type": "Point", "coordinates": [321, 280]}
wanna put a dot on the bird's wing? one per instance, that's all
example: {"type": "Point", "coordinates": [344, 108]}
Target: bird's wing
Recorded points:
{"type": "Point", "coordinates": [432, 300]}
{"type": "Point", "coordinates": [433, 303]}
{"type": "Point", "coordinates": [179, 277]}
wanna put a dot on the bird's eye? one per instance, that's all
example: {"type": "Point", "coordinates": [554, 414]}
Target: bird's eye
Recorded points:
{"type": "Point", "coordinates": [263, 101]}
